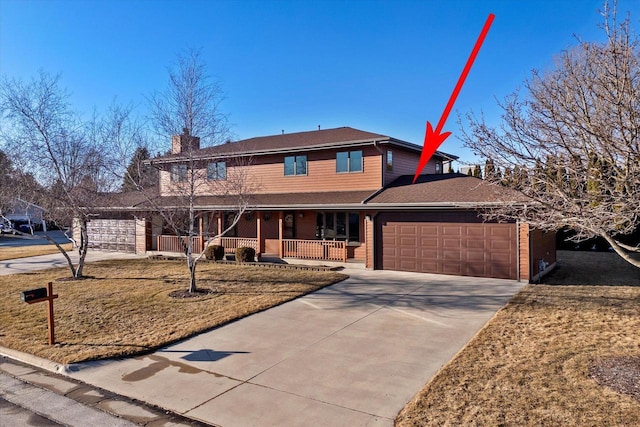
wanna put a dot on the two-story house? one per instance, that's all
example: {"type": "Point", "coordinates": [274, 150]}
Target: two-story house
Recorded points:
{"type": "Point", "coordinates": [344, 195]}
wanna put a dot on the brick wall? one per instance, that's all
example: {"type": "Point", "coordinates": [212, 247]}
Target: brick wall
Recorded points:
{"type": "Point", "coordinates": [523, 249]}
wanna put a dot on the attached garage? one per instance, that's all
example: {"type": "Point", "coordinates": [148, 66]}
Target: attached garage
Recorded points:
{"type": "Point", "coordinates": [112, 235]}
{"type": "Point", "coordinates": [456, 243]}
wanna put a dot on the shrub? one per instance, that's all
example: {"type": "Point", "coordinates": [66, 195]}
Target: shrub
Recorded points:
{"type": "Point", "coordinates": [245, 254]}
{"type": "Point", "coordinates": [215, 252]}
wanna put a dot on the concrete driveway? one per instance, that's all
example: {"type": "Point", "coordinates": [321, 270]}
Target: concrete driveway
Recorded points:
{"type": "Point", "coordinates": [351, 354]}
{"type": "Point", "coordinates": [8, 240]}
{"type": "Point", "coordinates": [25, 265]}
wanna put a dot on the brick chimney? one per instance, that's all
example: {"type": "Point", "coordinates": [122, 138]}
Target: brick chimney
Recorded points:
{"type": "Point", "coordinates": [184, 142]}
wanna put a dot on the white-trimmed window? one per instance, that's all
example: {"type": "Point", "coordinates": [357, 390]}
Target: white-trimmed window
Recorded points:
{"type": "Point", "coordinates": [178, 173]}
{"type": "Point", "coordinates": [217, 171]}
{"type": "Point", "coordinates": [295, 165]}
{"type": "Point", "coordinates": [349, 161]}
{"type": "Point", "coordinates": [389, 160]}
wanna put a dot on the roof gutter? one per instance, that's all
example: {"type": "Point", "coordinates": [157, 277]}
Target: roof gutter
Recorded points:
{"type": "Point", "coordinates": [249, 153]}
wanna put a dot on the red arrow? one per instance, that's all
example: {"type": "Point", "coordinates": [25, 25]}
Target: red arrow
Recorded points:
{"type": "Point", "coordinates": [434, 138]}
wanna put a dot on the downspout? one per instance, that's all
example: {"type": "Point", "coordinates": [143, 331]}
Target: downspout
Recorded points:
{"type": "Point", "coordinates": [518, 250]}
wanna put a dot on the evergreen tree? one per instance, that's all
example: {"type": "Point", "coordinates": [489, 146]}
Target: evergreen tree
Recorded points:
{"type": "Point", "coordinates": [139, 175]}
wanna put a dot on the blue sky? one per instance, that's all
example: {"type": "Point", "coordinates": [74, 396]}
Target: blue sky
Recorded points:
{"type": "Point", "coordinates": [380, 66]}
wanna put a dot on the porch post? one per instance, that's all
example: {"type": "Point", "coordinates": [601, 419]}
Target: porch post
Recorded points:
{"type": "Point", "coordinates": [201, 225]}
{"type": "Point", "coordinates": [220, 229]}
{"type": "Point", "coordinates": [280, 233]}
{"type": "Point", "coordinates": [260, 247]}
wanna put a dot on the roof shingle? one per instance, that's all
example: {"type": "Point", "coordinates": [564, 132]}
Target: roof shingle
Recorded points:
{"type": "Point", "coordinates": [444, 189]}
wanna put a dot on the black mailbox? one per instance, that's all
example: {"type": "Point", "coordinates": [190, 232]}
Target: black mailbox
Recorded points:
{"type": "Point", "coordinates": [33, 294]}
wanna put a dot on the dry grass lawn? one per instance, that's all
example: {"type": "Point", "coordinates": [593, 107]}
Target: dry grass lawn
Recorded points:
{"type": "Point", "coordinates": [531, 364]}
{"type": "Point", "coordinates": [27, 251]}
{"type": "Point", "coordinates": [126, 309]}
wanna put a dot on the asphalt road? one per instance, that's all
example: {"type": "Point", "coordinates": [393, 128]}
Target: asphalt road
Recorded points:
{"type": "Point", "coordinates": [8, 240]}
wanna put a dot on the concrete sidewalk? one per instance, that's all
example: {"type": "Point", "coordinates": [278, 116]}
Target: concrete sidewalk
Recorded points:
{"type": "Point", "coordinates": [350, 354]}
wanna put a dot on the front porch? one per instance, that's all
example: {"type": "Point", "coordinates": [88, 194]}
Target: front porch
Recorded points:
{"type": "Point", "coordinates": [335, 236]}
{"type": "Point", "coordinates": [319, 250]}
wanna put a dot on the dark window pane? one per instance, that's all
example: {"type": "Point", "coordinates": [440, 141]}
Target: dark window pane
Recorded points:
{"type": "Point", "coordinates": [355, 161]}
{"type": "Point", "coordinates": [329, 229]}
{"type": "Point", "coordinates": [354, 227]}
{"type": "Point", "coordinates": [342, 162]}
{"type": "Point", "coordinates": [178, 173]}
{"type": "Point", "coordinates": [301, 165]}
{"type": "Point", "coordinates": [222, 170]}
{"type": "Point", "coordinates": [341, 226]}
{"type": "Point", "coordinates": [289, 165]}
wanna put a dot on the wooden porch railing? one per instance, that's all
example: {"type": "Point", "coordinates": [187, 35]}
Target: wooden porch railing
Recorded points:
{"type": "Point", "coordinates": [230, 244]}
{"type": "Point", "coordinates": [326, 250]}
{"type": "Point", "coordinates": [173, 244]}
{"type": "Point", "coordinates": [323, 250]}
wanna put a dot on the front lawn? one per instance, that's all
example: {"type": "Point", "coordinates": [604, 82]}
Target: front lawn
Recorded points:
{"type": "Point", "coordinates": [536, 361]}
{"type": "Point", "coordinates": [125, 308]}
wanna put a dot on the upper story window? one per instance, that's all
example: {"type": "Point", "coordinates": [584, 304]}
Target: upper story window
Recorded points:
{"type": "Point", "coordinates": [295, 165]}
{"type": "Point", "coordinates": [217, 171]}
{"type": "Point", "coordinates": [349, 161]}
{"type": "Point", "coordinates": [178, 173]}
{"type": "Point", "coordinates": [389, 160]}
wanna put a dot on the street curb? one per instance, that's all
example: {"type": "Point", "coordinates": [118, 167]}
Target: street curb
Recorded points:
{"type": "Point", "coordinates": [30, 359]}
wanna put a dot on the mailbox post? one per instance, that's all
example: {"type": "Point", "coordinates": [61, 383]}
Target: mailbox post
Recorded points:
{"type": "Point", "coordinates": [39, 295]}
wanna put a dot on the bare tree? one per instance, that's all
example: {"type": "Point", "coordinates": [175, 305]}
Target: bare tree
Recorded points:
{"type": "Point", "coordinates": [192, 178]}
{"type": "Point", "coordinates": [190, 101]}
{"type": "Point", "coordinates": [48, 139]}
{"type": "Point", "coordinates": [570, 142]}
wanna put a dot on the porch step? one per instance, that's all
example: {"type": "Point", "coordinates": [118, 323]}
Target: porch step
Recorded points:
{"type": "Point", "coordinates": [351, 263]}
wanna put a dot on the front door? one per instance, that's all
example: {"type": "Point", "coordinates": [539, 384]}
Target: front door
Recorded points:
{"type": "Point", "coordinates": [289, 231]}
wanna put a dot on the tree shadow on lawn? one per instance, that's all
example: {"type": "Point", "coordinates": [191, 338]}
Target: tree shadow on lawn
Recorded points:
{"type": "Point", "coordinates": [592, 268]}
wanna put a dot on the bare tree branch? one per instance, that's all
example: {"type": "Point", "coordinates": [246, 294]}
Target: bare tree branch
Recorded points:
{"type": "Point", "coordinates": [569, 142]}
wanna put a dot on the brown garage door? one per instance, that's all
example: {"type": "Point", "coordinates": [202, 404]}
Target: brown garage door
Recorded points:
{"type": "Point", "coordinates": [466, 249]}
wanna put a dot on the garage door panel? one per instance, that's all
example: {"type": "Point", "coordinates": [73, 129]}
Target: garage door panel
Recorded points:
{"type": "Point", "coordinates": [409, 251]}
{"type": "Point", "coordinates": [429, 230]}
{"type": "Point", "coordinates": [475, 256]}
{"type": "Point", "coordinates": [451, 243]}
{"type": "Point", "coordinates": [474, 243]}
{"type": "Point", "coordinates": [406, 241]}
{"type": "Point", "coordinates": [451, 256]}
{"type": "Point", "coordinates": [451, 230]}
{"type": "Point", "coordinates": [450, 268]}
{"type": "Point", "coordinates": [473, 249]}
{"type": "Point", "coordinates": [428, 242]}
{"type": "Point", "coordinates": [476, 231]}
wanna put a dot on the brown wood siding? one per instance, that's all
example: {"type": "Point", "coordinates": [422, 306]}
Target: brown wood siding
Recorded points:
{"type": "Point", "coordinates": [543, 247]}
{"type": "Point", "coordinates": [247, 226]}
{"type": "Point", "coordinates": [270, 226]}
{"type": "Point", "coordinates": [525, 265]}
{"type": "Point", "coordinates": [421, 243]}
{"type": "Point", "coordinates": [369, 239]}
{"type": "Point", "coordinates": [405, 163]}
{"type": "Point", "coordinates": [266, 174]}
{"type": "Point", "coordinates": [305, 225]}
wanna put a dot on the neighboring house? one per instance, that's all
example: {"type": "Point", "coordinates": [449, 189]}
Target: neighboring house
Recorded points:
{"type": "Point", "coordinates": [23, 212]}
{"type": "Point", "coordinates": [343, 195]}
